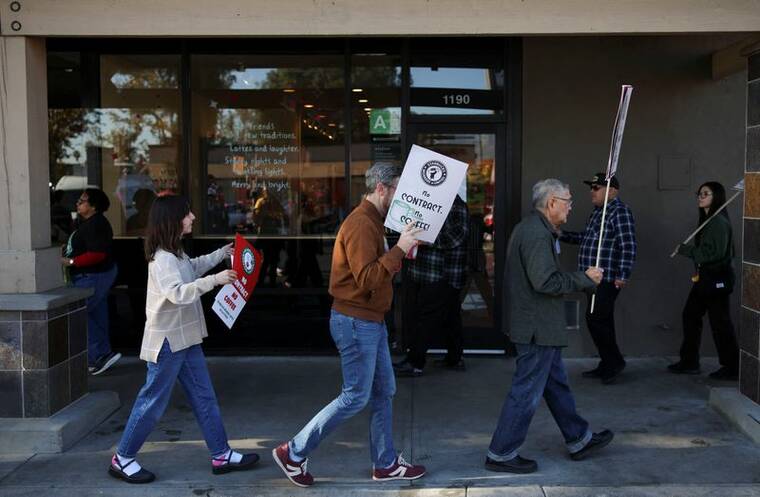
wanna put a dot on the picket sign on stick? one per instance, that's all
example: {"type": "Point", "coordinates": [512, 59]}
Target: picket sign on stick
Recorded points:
{"type": "Point", "coordinates": [612, 162]}
{"type": "Point", "coordinates": [740, 187]}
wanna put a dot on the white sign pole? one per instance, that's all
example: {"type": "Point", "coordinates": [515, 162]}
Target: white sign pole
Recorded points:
{"type": "Point", "coordinates": [612, 162]}
{"type": "Point", "coordinates": [601, 236]}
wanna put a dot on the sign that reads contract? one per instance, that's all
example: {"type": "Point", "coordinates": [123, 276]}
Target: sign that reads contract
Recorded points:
{"type": "Point", "coordinates": [425, 192]}
{"type": "Point", "coordinates": [246, 261]}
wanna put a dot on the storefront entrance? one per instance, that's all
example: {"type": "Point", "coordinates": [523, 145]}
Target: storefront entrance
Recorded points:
{"type": "Point", "coordinates": [481, 146]}
{"type": "Point", "coordinates": [271, 139]}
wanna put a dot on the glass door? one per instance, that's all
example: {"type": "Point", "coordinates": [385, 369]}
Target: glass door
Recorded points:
{"type": "Point", "coordinates": [479, 146]}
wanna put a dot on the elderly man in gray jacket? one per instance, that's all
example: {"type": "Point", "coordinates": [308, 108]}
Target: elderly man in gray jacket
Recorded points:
{"type": "Point", "coordinates": [536, 321]}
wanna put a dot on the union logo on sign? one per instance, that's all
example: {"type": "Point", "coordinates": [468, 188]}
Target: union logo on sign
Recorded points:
{"type": "Point", "coordinates": [433, 172]}
{"type": "Point", "coordinates": [249, 261]}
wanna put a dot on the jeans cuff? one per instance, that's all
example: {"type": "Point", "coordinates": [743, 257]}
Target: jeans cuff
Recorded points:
{"type": "Point", "coordinates": [500, 458]}
{"type": "Point", "coordinates": [580, 443]}
{"type": "Point", "coordinates": [221, 453]}
{"type": "Point", "coordinates": [292, 451]}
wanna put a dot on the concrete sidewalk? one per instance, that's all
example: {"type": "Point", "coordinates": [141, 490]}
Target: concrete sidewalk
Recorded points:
{"type": "Point", "coordinates": [668, 441]}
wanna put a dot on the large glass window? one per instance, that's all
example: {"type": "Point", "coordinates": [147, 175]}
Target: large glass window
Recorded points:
{"type": "Point", "coordinates": [139, 134]}
{"type": "Point", "coordinates": [375, 114]}
{"type": "Point", "coordinates": [445, 79]}
{"type": "Point", "coordinates": [271, 141]}
{"type": "Point", "coordinates": [127, 144]}
{"type": "Point", "coordinates": [269, 138]}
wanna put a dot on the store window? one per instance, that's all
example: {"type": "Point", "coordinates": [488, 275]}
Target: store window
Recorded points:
{"type": "Point", "coordinates": [269, 140]}
{"type": "Point", "coordinates": [451, 82]}
{"type": "Point", "coordinates": [128, 144]}
{"type": "Point", "coordinates": [375, 114]}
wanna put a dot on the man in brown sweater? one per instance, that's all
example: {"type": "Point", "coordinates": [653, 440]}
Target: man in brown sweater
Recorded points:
{"type": "Point", "coordinates": [360, 283]}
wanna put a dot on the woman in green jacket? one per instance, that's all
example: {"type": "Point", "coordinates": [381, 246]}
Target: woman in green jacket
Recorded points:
{"type": "Point", "coordinates": [711, 252]}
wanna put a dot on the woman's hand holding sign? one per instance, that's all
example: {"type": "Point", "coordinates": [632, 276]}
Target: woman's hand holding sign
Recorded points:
{"type": "Point", "coordinates": [225, 277]}
{"type": "Point", "coordinates": [408, 239]}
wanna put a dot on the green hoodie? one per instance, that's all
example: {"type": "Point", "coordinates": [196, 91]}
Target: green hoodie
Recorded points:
{"type": "Point", "coordinates": [715, 247]}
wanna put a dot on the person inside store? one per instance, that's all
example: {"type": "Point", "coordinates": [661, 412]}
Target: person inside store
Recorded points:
{"type": "Point", "coordinates": [171, 345]}
{"type": "Point", "coordinates": [713, 282]}
{"type": "Point", "coordinates": [269, 217]}
{"type": "Point", "coordinates": [142, 202]}
{"type": "Point", "coordinates": [88, 259]}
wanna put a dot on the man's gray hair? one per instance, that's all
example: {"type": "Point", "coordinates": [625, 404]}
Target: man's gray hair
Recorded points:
{"type": "Point", "coordinates": [547, 188]}
{"type": "Point", "coordinates": [381, 172]}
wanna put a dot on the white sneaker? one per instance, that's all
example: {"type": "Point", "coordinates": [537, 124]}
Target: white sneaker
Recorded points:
{"type": "Point", "coordinates": [104, 363]}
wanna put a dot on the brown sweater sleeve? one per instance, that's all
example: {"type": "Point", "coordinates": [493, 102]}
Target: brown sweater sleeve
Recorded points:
{"type": "Point", "coordinates": [369, 271]}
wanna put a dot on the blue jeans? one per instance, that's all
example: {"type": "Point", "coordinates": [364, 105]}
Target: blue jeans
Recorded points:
{"type": "Point", "coordinates": [189, 365]}
{"type": "Point", "coordinates": [367, 379]}
{"type": "Point", "coordinates": [540, 372]}
{"type": "Point", "coordinates": [98, 342]}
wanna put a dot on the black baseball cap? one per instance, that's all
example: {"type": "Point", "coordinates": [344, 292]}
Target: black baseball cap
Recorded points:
{"type": "Point", "coordinates": [599, 179]}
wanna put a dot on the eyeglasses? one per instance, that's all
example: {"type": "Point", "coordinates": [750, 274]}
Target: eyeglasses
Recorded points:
{"type": "Point", "coordinates": [568, 200]}
{"type": "Point", "coordinates": [82, 200]}
{"type": "Point", "coordinates": [595, 188]}
{"type": "Point", "coordinates": [704, 194]}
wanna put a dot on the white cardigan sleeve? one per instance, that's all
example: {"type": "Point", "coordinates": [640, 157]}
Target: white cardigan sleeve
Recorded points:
{"type": "Point", "coordinates": [165, 272]}
{"type": "Point", "coordinates": [204, 264]}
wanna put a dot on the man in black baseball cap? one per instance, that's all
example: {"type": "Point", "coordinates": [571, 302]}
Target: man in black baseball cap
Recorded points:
{"type": "Point", "coordinates": [617, 257]}
{"type": "Point", "coordinates": [599, 180]}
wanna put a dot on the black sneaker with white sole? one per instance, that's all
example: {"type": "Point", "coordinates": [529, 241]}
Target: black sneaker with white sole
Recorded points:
{"type": "Point", "coordinates": [104, 363]}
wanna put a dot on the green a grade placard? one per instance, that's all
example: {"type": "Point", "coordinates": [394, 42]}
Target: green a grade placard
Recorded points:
{"type": "Point", "coordinates": [385, 122]}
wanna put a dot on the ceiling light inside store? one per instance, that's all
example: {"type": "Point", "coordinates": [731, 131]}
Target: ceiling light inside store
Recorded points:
{"type": "Point", "coordinates": [368, 109]}
{"type": "Point", "coordinates": [363, 100]}
{"type": "Point", "coordinates": [357, 90]}
{"type": "Point", "coordinates": [308, 106]}
{"type": "Point", "coordinates": [331, 124]}
{"type": "Point", "coordinates": [289, 90]}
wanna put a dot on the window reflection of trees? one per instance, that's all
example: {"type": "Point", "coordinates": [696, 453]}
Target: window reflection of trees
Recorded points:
{"type": "Point", "coordinates": [134, 132]}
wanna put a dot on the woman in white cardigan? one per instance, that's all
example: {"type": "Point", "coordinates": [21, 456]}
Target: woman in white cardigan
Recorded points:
{"type": "Point", "coordinates": [174, 330]}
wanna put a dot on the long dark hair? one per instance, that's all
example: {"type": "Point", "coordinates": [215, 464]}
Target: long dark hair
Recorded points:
{"type": "Point", "coordinates": [718, 199]}
{"type": "Point", "coordinates": [164, 230]}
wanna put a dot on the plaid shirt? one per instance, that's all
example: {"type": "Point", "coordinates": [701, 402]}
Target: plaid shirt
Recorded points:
{"type": "Point", "coordinates": [446, 259]}
{"type": "Point", "coordinates": [618, 246]}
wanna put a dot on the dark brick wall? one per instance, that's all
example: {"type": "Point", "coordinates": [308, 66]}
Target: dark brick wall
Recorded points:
{"type": "Point", "coordinates": [43, 360]}
{"type": "Point", "coordinates": [749, 331]}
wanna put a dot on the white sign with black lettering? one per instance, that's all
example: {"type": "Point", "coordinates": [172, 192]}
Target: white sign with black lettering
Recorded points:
{"type": "Point", "coordinates": [425, 192]}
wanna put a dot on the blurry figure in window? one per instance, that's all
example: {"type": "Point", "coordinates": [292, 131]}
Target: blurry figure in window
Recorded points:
{"type": "Point", "coordinates": [143, 200]}
{"type": "Point", "coordinates": [60, 218]}
{"type": "Point", "coordinates": [215, 206]}
{"type": "Point", "coordinates": [129, 184]}
{"type": "Point", "coordinates": [302, 263]}
{"type": "Point", "coordinates": [89, 259]}
{"type": "Point", "coordinates": [268, 215]}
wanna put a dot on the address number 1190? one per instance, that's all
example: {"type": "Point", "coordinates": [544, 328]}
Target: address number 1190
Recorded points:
{"type": "Point", "coordinates": [461, 99]}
